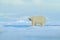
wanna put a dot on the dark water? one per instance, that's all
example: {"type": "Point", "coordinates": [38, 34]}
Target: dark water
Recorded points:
{"type": "Point", "coordinates": [18, 26]}
{"type": "Point", "coordinates": [26, 25]}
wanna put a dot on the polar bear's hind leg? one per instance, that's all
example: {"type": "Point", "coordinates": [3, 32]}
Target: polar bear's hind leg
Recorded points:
{"type": "Point", "coordinates": [43, 23]}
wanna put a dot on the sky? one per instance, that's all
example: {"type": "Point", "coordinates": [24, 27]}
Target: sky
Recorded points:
{"type": "Point", "coordinates": [12, 10]}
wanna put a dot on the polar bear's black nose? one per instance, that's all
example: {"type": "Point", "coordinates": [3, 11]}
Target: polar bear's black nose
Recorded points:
{"type": "Point", "coordinates": [30, 19]}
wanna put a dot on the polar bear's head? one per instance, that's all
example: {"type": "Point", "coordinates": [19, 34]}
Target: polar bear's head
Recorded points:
{"type": "Point", "coordinates": [30, 19]}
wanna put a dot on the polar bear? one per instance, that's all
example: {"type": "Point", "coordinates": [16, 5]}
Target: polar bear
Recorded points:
{"type": "Point", "coordinates": [38, 19]}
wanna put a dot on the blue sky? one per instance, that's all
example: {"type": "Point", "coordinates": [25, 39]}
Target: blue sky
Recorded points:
{"type": "Point", "coordinates": [12, 10]}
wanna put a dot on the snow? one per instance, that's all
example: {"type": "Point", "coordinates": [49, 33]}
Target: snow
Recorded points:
{"type": "Point", "coordinates": [30, 33]}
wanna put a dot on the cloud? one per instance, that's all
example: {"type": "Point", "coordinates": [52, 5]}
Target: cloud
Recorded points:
{"type": "Point", "coordinates": [50, 4]}
{"type": "Point", "coordinates": [54, 6]}
{"type": "Point", "coordinates": [12, 2]}
{"type": "Point", "coordinates": [21, 2]}
{"type": "Point", "coordinates": [37, 2]}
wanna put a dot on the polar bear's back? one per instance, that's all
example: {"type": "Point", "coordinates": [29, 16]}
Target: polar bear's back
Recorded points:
{"type": "Point", "coordinates": [38, 18]}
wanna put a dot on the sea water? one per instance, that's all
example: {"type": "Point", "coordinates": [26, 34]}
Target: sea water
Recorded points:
{"type": "Point", "coordinates": [24, 32]}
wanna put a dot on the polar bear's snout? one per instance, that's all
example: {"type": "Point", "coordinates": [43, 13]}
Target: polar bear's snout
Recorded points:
{"type": "Point", "coordinates": [30, 19]}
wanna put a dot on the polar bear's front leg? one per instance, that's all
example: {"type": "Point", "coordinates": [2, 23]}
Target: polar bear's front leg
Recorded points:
{"type": "Point", "coordinates": [33, 23]}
